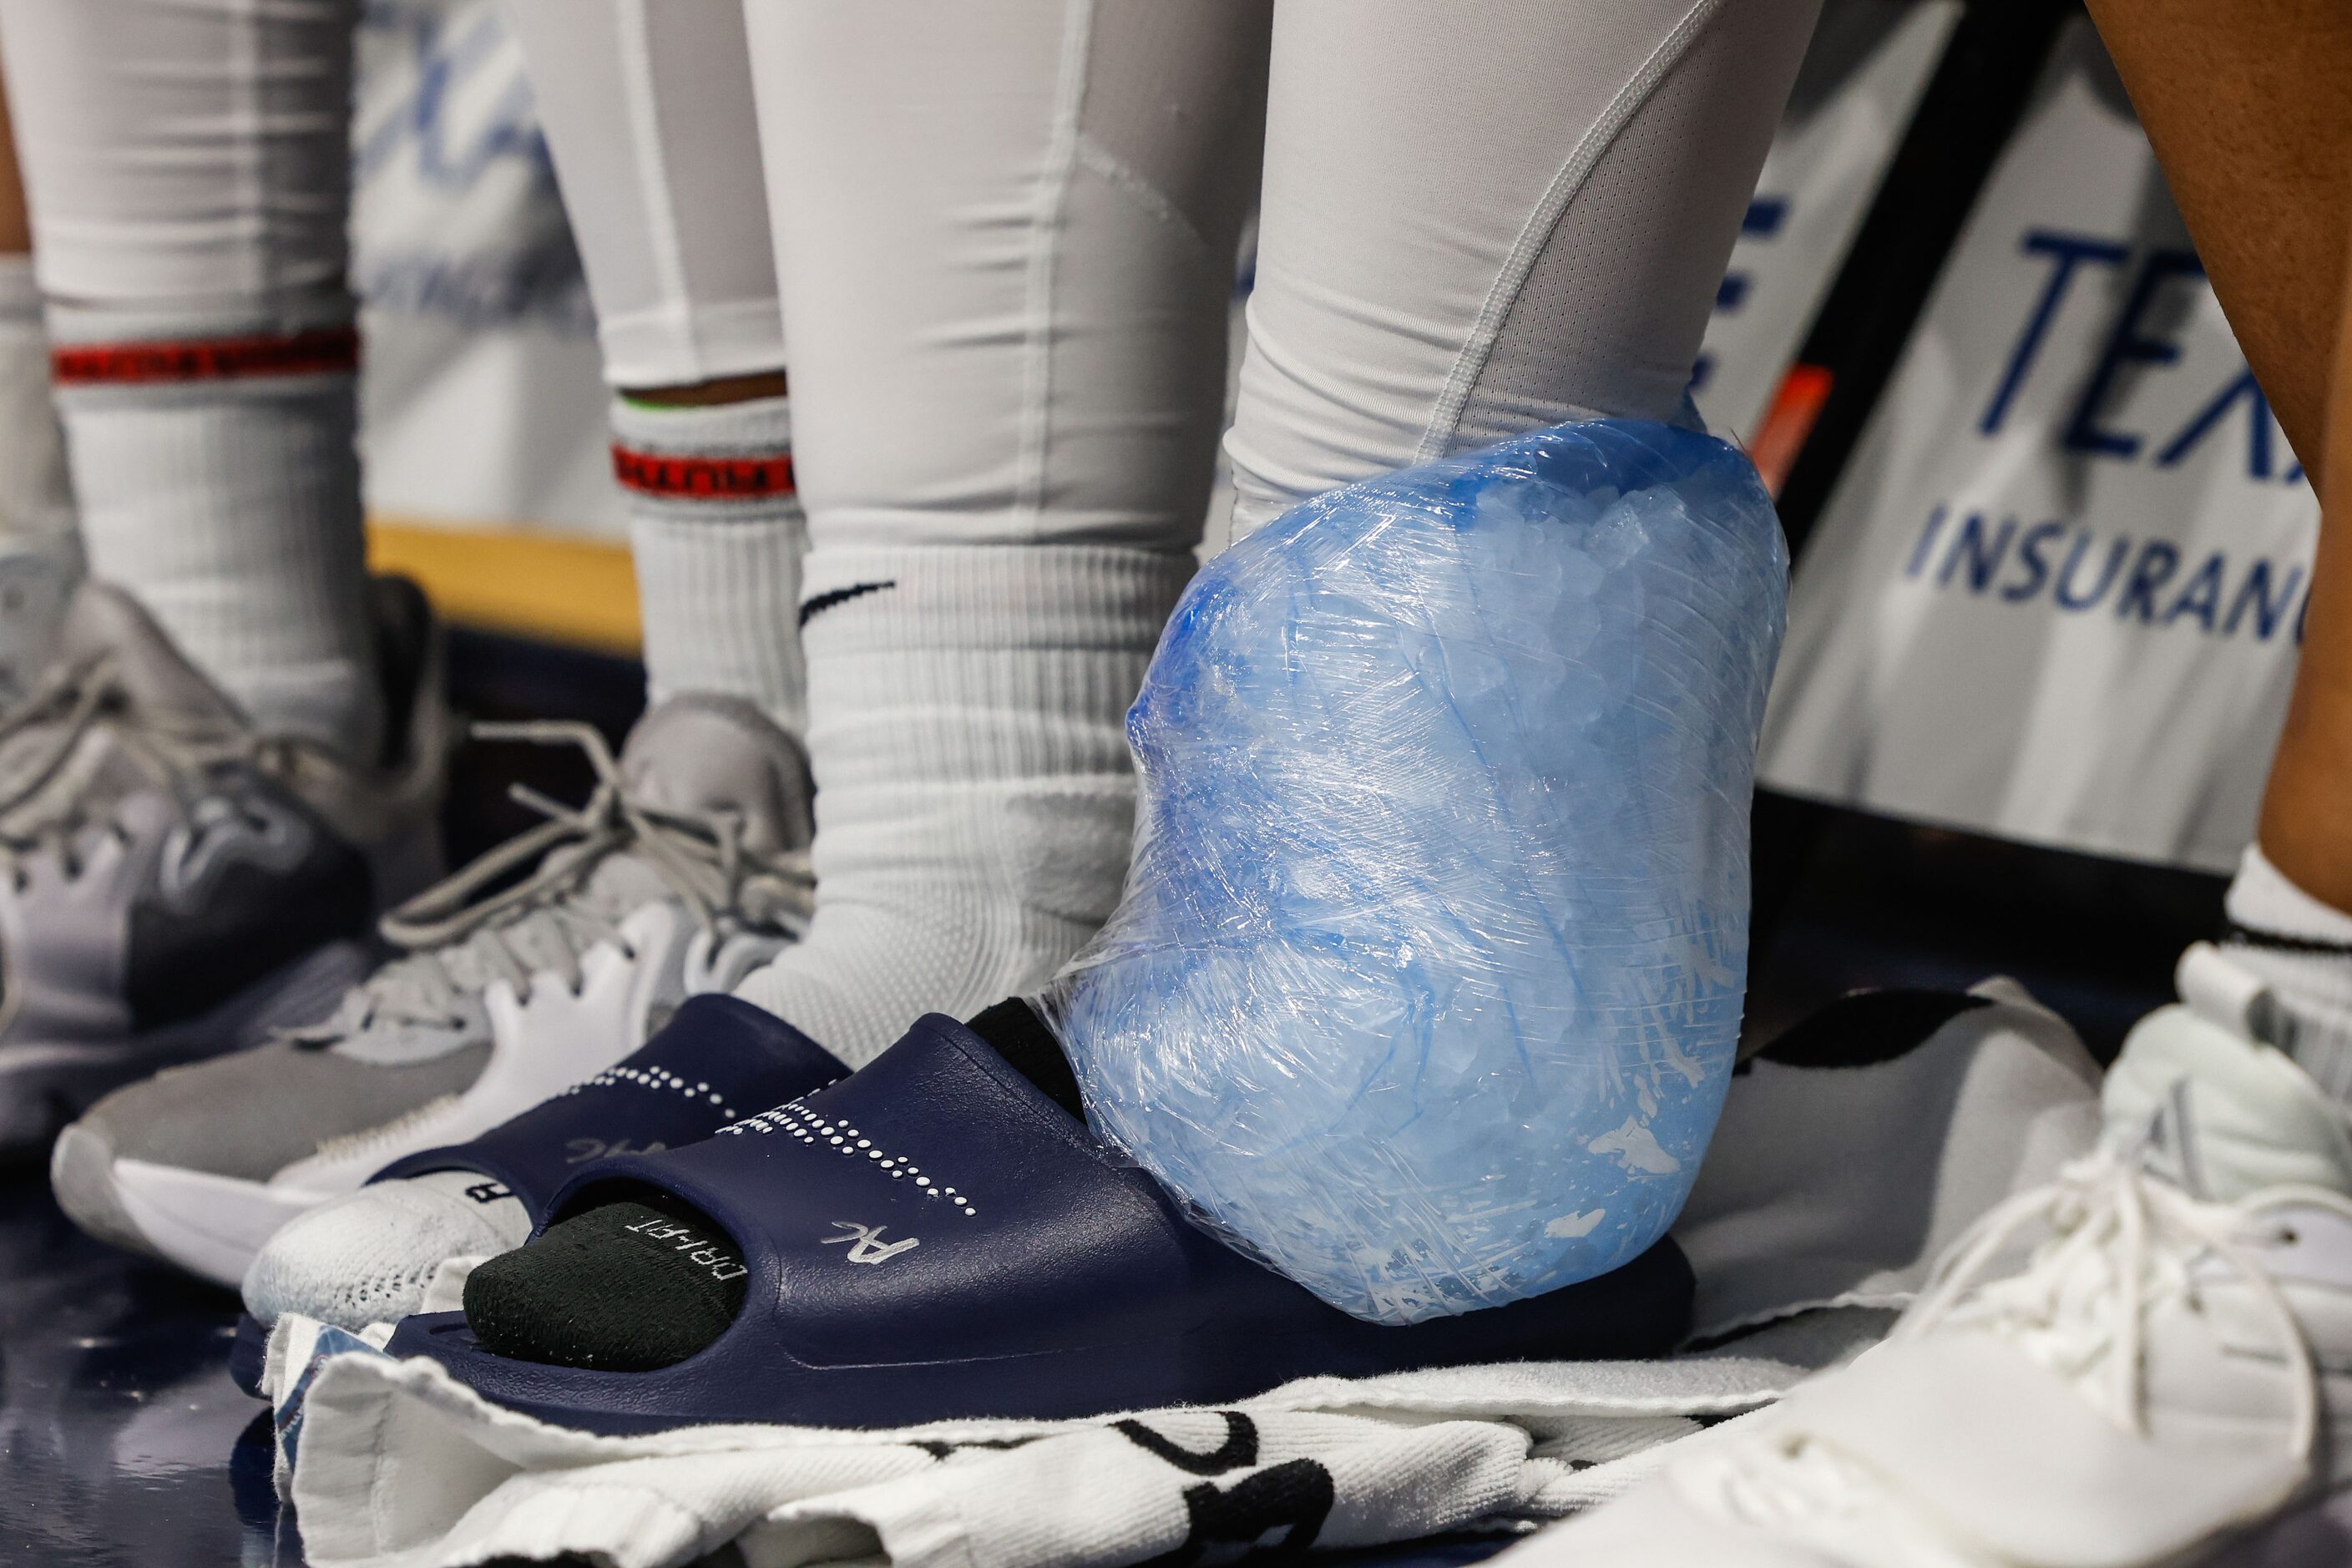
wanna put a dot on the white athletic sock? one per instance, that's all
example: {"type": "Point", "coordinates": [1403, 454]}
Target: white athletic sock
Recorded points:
{"type": "Point", "coordinates": [974, 796]}
{"type": "Point", "coordinates": [717, 536]}
{"type": "Point", "coordinates": [2301, 951]}
{"type": "Point", "coordinates": [40, 552]}
{"type": "Point", "coordinates": [219, 484]}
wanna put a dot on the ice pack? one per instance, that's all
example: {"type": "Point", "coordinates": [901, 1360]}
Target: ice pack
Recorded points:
{"type": "Point", "coordinates": [1426, 983]}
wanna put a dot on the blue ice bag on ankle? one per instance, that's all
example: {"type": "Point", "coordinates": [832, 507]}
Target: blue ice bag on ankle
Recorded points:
{"type": "Point", "coordinates": [1426, 983]}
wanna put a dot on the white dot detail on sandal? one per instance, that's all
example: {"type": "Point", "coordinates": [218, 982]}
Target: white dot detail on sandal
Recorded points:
{"type": "Point", "coordinates": [846, 1138]}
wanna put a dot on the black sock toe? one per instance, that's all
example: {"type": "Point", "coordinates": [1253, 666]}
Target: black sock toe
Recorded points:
{"type": "Point", "coordinates": [625, 1287]}
{"type": "Point", "coordinates": [1029, 1047]}
{"type": "Point", "coordinates": [644, 1283]}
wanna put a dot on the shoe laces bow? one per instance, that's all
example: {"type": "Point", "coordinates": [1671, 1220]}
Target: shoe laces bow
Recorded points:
{"type": "Point", "coordinates": [2118, 1242]}
{"type": "Point", "coordinates": [2122, 1242]}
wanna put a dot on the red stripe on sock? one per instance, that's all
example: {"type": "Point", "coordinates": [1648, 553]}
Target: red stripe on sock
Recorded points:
{"type": "Point", "coordinates": [676, 478]}
{"type": "Point", "coordinates": [329, 350]}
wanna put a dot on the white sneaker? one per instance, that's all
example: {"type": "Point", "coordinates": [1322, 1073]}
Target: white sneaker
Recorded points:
{"type": "Point", "coordinates": [541, 964]}
{"type": "Point", "coordinates": [2166, 1380]}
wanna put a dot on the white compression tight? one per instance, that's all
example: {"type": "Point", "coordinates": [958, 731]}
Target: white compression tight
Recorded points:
{"type": "Point", "coordinates": [1003, 237]}
{"type": "Point", "coordinates": [1481, 221]}
{"type": "Point", "coordinates": [1006, 310]}
{"type": "Point", "coordinates": [647, 108]}
{"type": "Point", "coordinates": [188, 168]}
{"type": "Point", "coordinates": [1004, 302]}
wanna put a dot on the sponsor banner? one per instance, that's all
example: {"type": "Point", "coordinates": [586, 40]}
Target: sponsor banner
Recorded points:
{"type": "Point", "coordinates": [482, 397]}
{"type": "Point", "coordinates": [2058, 592]}
{"type": "Point", "coordinates": [1863, 73]}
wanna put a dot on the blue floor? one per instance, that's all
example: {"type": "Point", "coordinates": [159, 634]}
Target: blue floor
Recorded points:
{"type": "Point", "coordinates": [121, 1438]}
{"type": "Point", "coordinates": [123, 1443]}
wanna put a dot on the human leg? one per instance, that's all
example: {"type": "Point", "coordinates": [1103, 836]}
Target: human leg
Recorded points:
{"type": "Point", "coordinates": [188, 171]}
{"type": "Point", "coordinates": [1416, 298]}
{"type": "Point", "coordinates": [256, 732]}
{"type": "Point", "coordinates": [555, 957]}
{"type": "Point", "coordinates": [2246, 110]}
{"type": "Point", "coordinates": [1005, 240]}
{"type": "Point", "coordinates": [511, 1303]}
{"type": "Point", "coordinates": [647, 110]}
{"type": "Point", "coordinates": [2185, 1268]}
{"type": "Point", "coordinates": [2290, 931]}
{"type": "Point", "coordinates": [2244, 106]}
{"type": "Point", "coordinates": [40, 552]}
{"type": "Point", "coordinates": [1463, 241]}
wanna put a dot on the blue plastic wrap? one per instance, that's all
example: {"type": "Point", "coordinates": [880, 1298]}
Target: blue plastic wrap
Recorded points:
{"type": "Point", "coordinates": [1427, 984]}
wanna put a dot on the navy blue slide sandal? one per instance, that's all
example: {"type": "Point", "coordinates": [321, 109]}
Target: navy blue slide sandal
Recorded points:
{"type": "Point", "coordinates": [719, 1059]}
{"type": "Point", "coordinates": [933, 1239]}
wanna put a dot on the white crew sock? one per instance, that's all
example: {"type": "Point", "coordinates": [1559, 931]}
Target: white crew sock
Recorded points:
{"type": "Point", "coordinates": [219, 484]}
{"type": "Point", "coordinates": [2301, 951]}
{"type": "Point", "coordinates": [974, 795]}
{"type": "Point", "coordinates": [717, 536]}
{"type": "Point", "coordinates": [40, 552]}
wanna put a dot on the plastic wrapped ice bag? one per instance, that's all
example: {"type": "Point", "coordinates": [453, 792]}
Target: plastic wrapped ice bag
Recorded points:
{"type": "Point", "coordinates": [1426, 983]}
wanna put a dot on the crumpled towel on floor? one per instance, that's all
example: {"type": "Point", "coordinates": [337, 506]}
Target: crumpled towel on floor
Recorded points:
{"type": "Point", "coordinates": [400, 1465]}
{"type": "Point", "coordinates": [1850, 1152]}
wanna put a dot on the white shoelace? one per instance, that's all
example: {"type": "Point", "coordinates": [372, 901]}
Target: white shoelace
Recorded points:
{"type": "Point", "coordinates": [474, 926]}
{"type": "Point", "coordinates": [2123, 1244]}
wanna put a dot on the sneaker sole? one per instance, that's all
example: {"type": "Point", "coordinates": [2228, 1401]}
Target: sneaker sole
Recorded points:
{"type": "Point", "coordinates": [43, 1086]}
{"type": "Point", "coordinates": [213, 1226]}
{"type": "Point", "coordinates": [210, 1226]}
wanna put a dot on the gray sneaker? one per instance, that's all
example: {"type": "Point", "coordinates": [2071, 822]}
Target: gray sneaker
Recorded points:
{"type": "Point", "coordinates": [540, 965]}
{"type": "Point", "coordinates": [174, 883]}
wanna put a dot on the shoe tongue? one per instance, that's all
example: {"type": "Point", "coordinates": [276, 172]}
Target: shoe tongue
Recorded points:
{"type": "Point", "coordinates": [162, 684]}
{"type": "Point", "coordinates": [2220, 1115]}
{"type": "Point", "coordinates": [702, 753]}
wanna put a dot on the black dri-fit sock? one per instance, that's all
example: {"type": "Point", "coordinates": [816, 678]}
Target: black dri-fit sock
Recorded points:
{"type": "Point", "coordinates": [625, 1287]}
{"type": "Point", "coordinates": [644, 1283]}
{"type": "Point", "coordinates": [1020, 1037]}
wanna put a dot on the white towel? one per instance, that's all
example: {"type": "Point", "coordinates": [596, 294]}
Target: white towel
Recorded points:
{"type": "Point", "coordinates": [394, 1464]}
{"type": "Point", "coordinates": [400, 1465]}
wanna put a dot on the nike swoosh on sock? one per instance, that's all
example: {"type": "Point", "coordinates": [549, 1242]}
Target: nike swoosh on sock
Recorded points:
{"type": "Point", "coordinates": [2238, 934]}
{"type": "Point", "coordinates": [828, 600]}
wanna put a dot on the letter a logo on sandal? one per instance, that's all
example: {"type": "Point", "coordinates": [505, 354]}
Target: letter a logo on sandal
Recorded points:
{"type": "Point", "coordinates": [866, 1244]}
